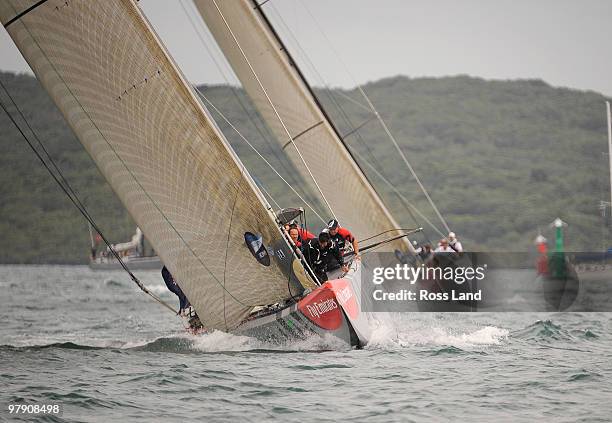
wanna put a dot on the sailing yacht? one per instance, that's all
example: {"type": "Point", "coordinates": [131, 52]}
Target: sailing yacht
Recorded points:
{"type": "Point", "coordinates": [172, 168]}
{"type": "Point", "coordinates": [134, 253]}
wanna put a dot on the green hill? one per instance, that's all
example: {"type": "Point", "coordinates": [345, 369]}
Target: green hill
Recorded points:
{"type": "Point", "coordinates": [499, 158]}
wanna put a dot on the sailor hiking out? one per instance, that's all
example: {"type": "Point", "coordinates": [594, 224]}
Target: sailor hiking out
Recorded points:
{"type": "Point", "coordinates": [173, 287]}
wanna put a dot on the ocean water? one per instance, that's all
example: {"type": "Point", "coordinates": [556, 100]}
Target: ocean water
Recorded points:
{"type": "Point", "coordinates": [94, 343]}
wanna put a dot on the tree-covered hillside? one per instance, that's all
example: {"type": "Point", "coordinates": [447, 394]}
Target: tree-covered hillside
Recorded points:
{"type": "Point", "coordinates": [499, 158]}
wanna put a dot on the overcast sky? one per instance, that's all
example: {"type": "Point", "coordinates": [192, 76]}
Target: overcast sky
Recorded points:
{"type": "Point", "coordinates": [564, 42]}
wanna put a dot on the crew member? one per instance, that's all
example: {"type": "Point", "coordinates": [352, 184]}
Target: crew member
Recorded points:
{"type": "Point", "coordinates": [340, 236]}
{"type": "Point", "coordinates": [417, 247]}
{"type": "Point", "coordinates": [173, 287]}
{"type": "Point", "coordinates": [443, 247]}
{"type": "Point", "coordinates": [426, 253]}
{"type": "Point", "coordinates": [454, 243]}
{"type": "Point", "coordinates": [319, 253]}
{"type": "Point", "coordinates": [294, 234]}
{"type": "Point", "coordinates": [302, 232]}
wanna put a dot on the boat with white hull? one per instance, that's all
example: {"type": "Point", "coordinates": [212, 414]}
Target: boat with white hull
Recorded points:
{"type": "Point", "coordinates": [133, 262]}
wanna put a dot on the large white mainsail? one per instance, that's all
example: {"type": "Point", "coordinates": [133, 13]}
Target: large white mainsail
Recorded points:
{"type": "Point", "coordinates": [156, 145]}
{"type": "Point", "coordinates": [241, 30]}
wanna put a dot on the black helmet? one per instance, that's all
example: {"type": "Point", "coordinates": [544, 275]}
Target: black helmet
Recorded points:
{"type": "Point", "coordinates": [333, 224]}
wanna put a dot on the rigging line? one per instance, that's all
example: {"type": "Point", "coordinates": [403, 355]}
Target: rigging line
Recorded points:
{"type": "Point", "coordinates": [382, 122]}
{"type": "Point", "coordinates": [236, 96]}
{"type": "Point", "coordinates": [352, 100]}
{"type": "Point", "coordinates": [401, 196]}
{"type": "Point", "coordinates": [259, 154]}
{"type": "Point", "coordinates": [357, 128]}
{"type": "Point", "coordinates": [406, 162]}
{"type": "Point", "coordinates": [85, 214]}
{"type": "Point", "coordinates": [385, 232]}
{"type": "Point", "coordinates": [263, 188]}
{"type": "Point", "coordinates": [64, 182]}
{"type": "Point", "coordinates": [375, 163]}
{"type": "Point", "coordinates": [49, 158]}
{"type": "Point", "coordinates": [110, 146]}
{"type": "Point", "coordinates": [361, 141]}
{"type": "Point", "coordinates": [273, 107]}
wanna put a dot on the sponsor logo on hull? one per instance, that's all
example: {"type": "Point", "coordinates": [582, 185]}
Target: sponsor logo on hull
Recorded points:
{"type": "Point", "coordinates": [345, 296]}
{"type": "Point", "coordinates": [322, 309]}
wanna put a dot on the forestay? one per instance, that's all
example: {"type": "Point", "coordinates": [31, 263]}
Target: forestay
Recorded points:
{"type": "Point", "coordinates": [241, 30]}
{"type": "Point", "coordinates": [157, 146]}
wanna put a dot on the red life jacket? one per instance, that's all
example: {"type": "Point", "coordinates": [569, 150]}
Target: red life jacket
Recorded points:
{"type": "Point", "coordinates": [305, 234]}
{"type": "Point", "coordinates": [342, 236]}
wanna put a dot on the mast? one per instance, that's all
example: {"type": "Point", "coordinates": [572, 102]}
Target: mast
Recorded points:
{"type": "Point", "coordinates": [288, 105]}
{"type": "Point", "coordinates": [609, 114]}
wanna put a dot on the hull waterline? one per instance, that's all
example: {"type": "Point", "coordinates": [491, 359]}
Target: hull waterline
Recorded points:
{"type": "Point", "coordinates": [333, 309]}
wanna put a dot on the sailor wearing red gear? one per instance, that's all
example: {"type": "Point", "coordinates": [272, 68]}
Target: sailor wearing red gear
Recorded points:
{"type": "Point", "coordinates": [305, 234]}
{"type": "Point", "coordinates": [341, 236]}
{"type": "Point", "coordinates": [299, 235]}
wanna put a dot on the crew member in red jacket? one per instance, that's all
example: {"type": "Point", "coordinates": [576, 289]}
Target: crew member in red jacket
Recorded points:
{"type": "Point", "coordinates": [341, 236]}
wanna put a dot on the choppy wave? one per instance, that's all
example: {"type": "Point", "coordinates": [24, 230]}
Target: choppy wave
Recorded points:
{"type": "Point", "coordinates": [387, 334]}
{"type": "Point", "coordinates": [543, 330]}
{"type": "Point", "coordinates": [113, 283]}
{"type": "Point", "coordinates": [184, 343]}
{"type": "Point", "coordinates": [400, 332]}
